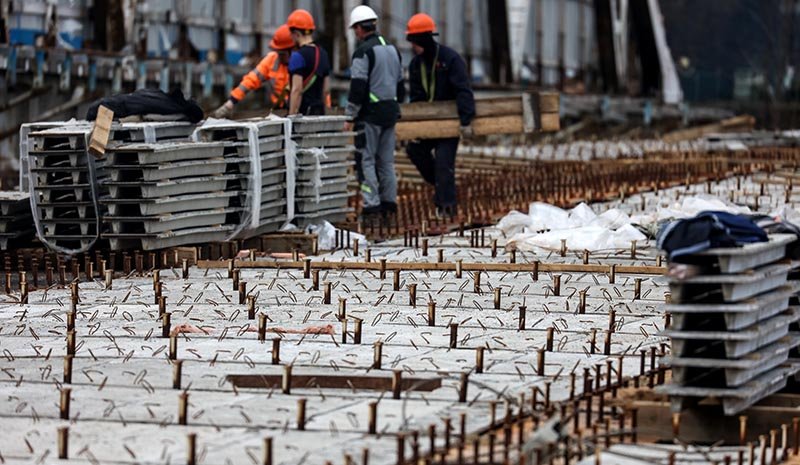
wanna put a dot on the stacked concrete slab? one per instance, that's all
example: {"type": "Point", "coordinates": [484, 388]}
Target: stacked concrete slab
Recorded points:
{"type": "Point", "coordinates": [325, 161]}
{"type": "Point", "coordinates": [68, 183]}
{"type": "Point", "coordinates": [237, 150]}
{"type": "Point", "coordinates": [16, 222]}
{"type": "Point", "coordinates": [166, 194]}
{"type": "Point", "coordinates": [63, 181]}
{"type": "Point", "coordinates": [730, 330]}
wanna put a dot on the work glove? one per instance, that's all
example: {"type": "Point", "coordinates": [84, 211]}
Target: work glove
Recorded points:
{"type": "Point", "coordinates": [224, 112]}
{"type": "Point", "coordinates": [467, 132]}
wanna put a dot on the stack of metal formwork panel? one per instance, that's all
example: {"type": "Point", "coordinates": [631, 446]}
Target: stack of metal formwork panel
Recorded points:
{"type": "Point", "coordinates": [15, 217]}
{"type": "Point", "coordinates": [166, 194]}
{"type": "Point", "coordinates": [63, 181]}
{"type": "Point", "coordinates": [325, 158]}
{"type": "Point", "coordinates": [67, 182]}
{"type": "Point", "coordinates": [730, 331]}
{"type": "Point", "coordinates": [239, 158]}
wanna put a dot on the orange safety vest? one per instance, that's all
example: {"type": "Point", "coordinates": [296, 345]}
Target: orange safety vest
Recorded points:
{"type": "Point", "coordinates": [269, 69]}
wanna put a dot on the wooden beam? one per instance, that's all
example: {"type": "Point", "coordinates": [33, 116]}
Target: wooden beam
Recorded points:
{"type": "Point", "coordinates": [328, 381]}
{"type": "Point", "coordinates": [420, 111]}
{"type": "Point", "coordinates": [424, 266]}
{"type": "Point", "coordinates": [441, 129]}
{"type": "Point", "coordinates": [542, 102]}
{"type": "Point", "coordinates": [507, 115]}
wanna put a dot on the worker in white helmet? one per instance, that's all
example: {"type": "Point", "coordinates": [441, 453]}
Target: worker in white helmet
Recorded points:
{"type": "Point", "coordinates": [376, 87]}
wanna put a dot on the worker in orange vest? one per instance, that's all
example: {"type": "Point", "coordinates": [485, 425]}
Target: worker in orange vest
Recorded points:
{"type": "Point", "coordinates": [272, 70]}
{"type": "Point", "coordinates": [309, 68]}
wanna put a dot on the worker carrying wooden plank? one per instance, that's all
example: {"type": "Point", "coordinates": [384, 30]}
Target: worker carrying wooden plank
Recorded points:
{"type": "Point", "coordinates": [376, 86]}
{"type": "Point", "coordinates": [438, 73]}
{"type": "Point", "coordinates": [272, 71]}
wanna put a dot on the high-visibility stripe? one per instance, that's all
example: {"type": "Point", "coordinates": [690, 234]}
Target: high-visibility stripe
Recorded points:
{"type": "Point", "coordinates": [380, 39]}
{"type": "Point", "coordinates": [244, 88]}
{"type": "Point", "coordinates": [424, 69]}
{"type": "Point", "coordinates": [260, 76]}
{"type": "Point", "coordinates": [310, 83]}
{"type": "Point", "coordinates": [366, 188]}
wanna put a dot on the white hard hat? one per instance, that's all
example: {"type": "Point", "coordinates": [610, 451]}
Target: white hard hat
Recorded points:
{"type": "Point", "coordinates": [362, 13]}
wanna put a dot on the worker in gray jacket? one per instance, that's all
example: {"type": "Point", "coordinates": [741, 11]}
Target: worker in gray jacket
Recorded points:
{"type": "Point", "coordinates": [376, 86]}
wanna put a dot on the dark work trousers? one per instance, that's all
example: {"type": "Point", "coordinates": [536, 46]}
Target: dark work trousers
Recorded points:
{"type": "Point", "coordinates": [435, 160]}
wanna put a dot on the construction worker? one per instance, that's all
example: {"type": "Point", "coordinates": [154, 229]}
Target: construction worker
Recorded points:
{"type": "Point", "coordinates": [309, 67]}
{"type": "Point", "coordinates": [272, 70]}
{"type": "Point", "coordinates": [376, 85]}
{"type": "Point", "coordinates": [438, 73]}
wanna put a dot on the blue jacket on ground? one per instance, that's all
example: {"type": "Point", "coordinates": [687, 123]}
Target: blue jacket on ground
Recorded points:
{"type": "Point", "coordinates": [710, 229]}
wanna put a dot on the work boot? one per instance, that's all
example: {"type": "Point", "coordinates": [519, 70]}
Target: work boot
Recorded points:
{"type": "Point", "coordinates": [447, 213]}
{"type": "Point", "coordinates": [389, 212]}
{"type": "Point", "coordinates": [371, 214]}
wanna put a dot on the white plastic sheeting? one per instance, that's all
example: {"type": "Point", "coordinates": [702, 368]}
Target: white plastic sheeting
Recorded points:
{"type": "Point", "coordinates": [545, 226]}
{"type": "Point", "coordinates": [688, 207]}
{"type": "Point", "coordinates": [326, 235]}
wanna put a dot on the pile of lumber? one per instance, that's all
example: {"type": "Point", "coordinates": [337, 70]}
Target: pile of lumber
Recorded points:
{"type": "Point", "coordinates": [520, 114]}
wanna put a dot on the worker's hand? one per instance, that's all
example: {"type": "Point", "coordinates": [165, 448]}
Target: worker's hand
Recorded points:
{"type": "Point", "coordinates": [225, 111]}
{"type": "Point", "coordinates": [348, 126]}
{"type": "Point", "coordinates": [467, 132]}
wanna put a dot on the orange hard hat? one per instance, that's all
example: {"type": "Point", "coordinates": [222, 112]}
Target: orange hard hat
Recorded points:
{"type": "Point", "coordinates": [420, 23]}
{"type": "Point", "coordinates": [301, 19]}
{"type": "Point", "coordinates": [282, 39]}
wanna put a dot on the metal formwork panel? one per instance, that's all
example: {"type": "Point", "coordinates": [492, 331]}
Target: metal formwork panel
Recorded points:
{"type": "Point", "coordinates": [329, 139]}
{"type": "Point", "coordinates": [272, 210]}
{"type": "Point", "coordinates": [269, 161]}
{"type": "Point", "coordinates": [161, 131]}
{"type": "Point", "coordinates": [239, 131]}
{"type": "Point", "coordinates": [13, 202]}
{"type": "Point", "coordinates": [732, 316]}
{"type": "Point", "coordinates": [332, 155]}
{"type": "Point", "coordinates": [731, 344]}
{"type": "Point", "coordinates": [712, 372]}
{"type": "Point", "coordinates": [317, 124]}
{"type": "Point", "coordinates": [165, 171]}
{"type": "Point", "coordinates": [325, 202]}
{"type": "Point", "coordinates": [149, 154]}
{"type": "Point", "coordinates": [748, 256]}
{"type": "Point", "coordinates": [265, 145]}
{"type": "Point", "coordinates": [328, 186]}
{"type": "Point", "coordinates": [168, 222]}
{"type": "Point", "coordinates": [154, 190]}
{"type": "Point", "coordinates": [170, 238]}
{"type": "Point", "coordinates": [333, 216]}
{"type": "Point", "coordinates": [177, 204]}
{"type": "Point", "coordinates": [734, 400]}
{"type": "Point", "coordinates": [328, 171]}
{"type": "Point", "coordinates": [731, 288]}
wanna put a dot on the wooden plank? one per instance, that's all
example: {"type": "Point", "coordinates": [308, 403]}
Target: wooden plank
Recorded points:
{"type": "Point", "coordinates": [283, 243]}
{"type": "Point", "coordinates": [439, 129]}
{"type": "Point", "coordinates": [549, 122]}
{"type": "Point", "coordinates": [737, 123]}
{"type": "Point", "coordinates": [329, 381]}
{"type": "Point", "coordinates": [422, 111]}
{"type": "Point", "coordinates": [101, 132]}
{"type": "Point", "coordinates": [548, 102]}
{"type": "Point", "coordinates": [424, 266]}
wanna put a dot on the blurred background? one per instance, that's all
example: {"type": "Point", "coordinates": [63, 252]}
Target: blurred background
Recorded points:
{"type": "Point", "coordinates": [635, 68]}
